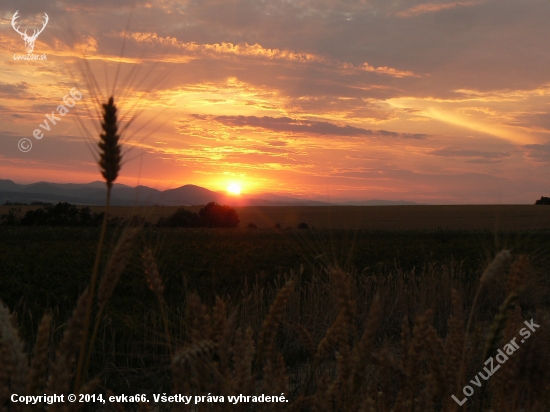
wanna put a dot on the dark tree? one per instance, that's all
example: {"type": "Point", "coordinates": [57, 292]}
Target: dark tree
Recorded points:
{"type": "Point", "coordinates": [12, 218]}
{"type": "Point", "coordinates": [97, 219]}
{"type": "Point", "coordinates": [303, 226]}
{"type": "Point", "coordinates": [215, 215]}
{"type": "Point", "coordinates": [34, 217]}
{"type": "Point", "coordinates": [85, 216]}
{"type": "Point", "coordinates": [181, 218]}
{"type": "Point", "coordinates": [61, 214]}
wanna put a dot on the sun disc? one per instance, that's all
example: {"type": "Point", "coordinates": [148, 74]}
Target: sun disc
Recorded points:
{"type": "Point", "coordinates": [234, 188]}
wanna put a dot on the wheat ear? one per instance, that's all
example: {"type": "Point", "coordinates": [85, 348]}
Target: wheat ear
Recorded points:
{"type": "Point", "coordinates": [364, 349]}
{"type": "Point", "coordinates": [155, 283]}
{"type": "Point", "coordinates": [4, 375]}
{"type": "Point", "coordinates": [269, 328]}
{"type": "Point", "coordinates": [243, 355]}
{"type": "Point", "coordinates": [62, 369]}
{"type": "Point", "coordinates": [494, 268]}
{"type": "Point", "coordinates": [498, 326]}
{"type": "Point", "coordinates": [110, 155]}
{"type": "Point", "coordinates": [13, 353]}
{"type": "Point", "coordinates": [39, 364]}
{"type": "Point", "coordinates": [518, 274]}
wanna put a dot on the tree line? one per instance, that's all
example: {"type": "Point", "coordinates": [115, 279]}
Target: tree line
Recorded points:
{"type": "Point", "coordinates": [66, 214]}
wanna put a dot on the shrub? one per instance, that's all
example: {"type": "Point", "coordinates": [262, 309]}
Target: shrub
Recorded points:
{"type": "Point", "coordinates": [12, 217]}
{"type": "Point", "coordinates": [252, 226]}
{"type": "Point", "coordinates": [277, 226]}
{"type": "Point", "coordinates": [303, 226]}
{"type": "Point", "coordinates": [34, 217]}
{"type": "Point", "coordinates": [215, 215]}
{"type": "Point", "coordinates": [61, 214]}
{"type": "Point", "coordinates": [181, 218]}
{"type": "Point", "coordinates": [85, 216]}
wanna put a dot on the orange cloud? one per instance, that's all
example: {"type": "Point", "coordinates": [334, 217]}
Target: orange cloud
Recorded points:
{"type": "Point", "coordinates": [227, 48]}
{"type": "Point", "coordinates": [388, 71]}
{"type": "Point", "coordinates": [257, 50]}
{"type": "Point", "coordinates": [434, 7]}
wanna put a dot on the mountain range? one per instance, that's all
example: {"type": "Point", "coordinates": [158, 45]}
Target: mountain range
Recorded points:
{"type": "Point", "coordinates": [122, 195]}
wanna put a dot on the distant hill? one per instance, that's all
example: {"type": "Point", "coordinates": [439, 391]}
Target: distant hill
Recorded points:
{"type": "Point", "coordinates": [188, 195]}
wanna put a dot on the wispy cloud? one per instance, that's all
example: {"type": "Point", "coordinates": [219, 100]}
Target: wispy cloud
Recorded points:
{"type": "Point", "coordinates": [226, 48]}
{"type": "Point", "coordinates": [290, 125]}
{"type": "Point", "coordinates": [472, 156]}
{"type": "Point", "coordinates": [538, 152]}
{"type": "Point", "coordinates": [258, 51]}
{"type": "Point", "coordinates": [435, 7]}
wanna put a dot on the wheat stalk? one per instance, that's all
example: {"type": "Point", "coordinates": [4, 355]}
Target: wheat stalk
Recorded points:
{"type": "Point", "coordinates": [109, 162]}
{"type": "Point", "coordinates": [114, 269]}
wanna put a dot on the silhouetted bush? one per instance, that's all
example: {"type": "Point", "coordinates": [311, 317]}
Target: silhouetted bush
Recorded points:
{"type": "Point", "coordinates": [181, 218]}
{"type": "Point", "coordinates": [12, 217]}
{"type": "Point", "coordinates": [277, 226]}
{"type": "Point", "coordinates": [303, 226]}
{"type": "Point", "coordinates": [215, 215]}
{"type": "Point", "coordinates": [61, 214]}
{"type": "Point", "coordinates": [97, 219]}
{"type": "Point", "coordinates": [35, 217]}
{"type": "Point", "coordinates": [252, 226]}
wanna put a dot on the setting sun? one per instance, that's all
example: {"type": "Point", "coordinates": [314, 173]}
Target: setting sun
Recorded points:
{"type": "Point", "coordinates": [234, 188]}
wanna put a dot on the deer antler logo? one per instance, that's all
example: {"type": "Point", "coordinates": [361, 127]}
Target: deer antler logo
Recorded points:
{"type": "Point", "coordinates": [29, 40]}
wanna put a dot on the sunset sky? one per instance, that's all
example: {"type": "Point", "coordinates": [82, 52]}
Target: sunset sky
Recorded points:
{"type": "Point", "coordinates": [437, 102]}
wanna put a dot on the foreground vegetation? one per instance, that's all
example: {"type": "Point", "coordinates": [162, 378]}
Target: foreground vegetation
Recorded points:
{"type": "Point", "coordinates": [335, 320]}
